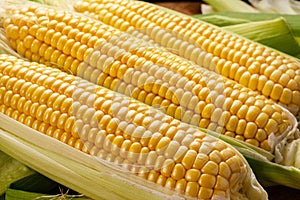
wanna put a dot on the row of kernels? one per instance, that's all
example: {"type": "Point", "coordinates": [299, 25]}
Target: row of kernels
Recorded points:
{"type": "Point", "coordinates": [41, 112]}
{"type": "Point", "coordinates": [45, 53]}
{"type": "Point", "coordinates": [102, 123]}
{"type": "Point", "coordinates": [57, 103]}
{"type": "Point", "coordinates": [143, 84]}
{"type": "Point", "coordinates": [59, 38]}
{"type": "Point", "coordinates": [52, 131]}
{"type": "Point", "coordinates": [256, 82]}
{"type": "Point", "coordinates": [28, 120]}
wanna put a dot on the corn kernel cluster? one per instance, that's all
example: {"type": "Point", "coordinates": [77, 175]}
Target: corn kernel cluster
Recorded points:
{"type": "Point", "coordinates": [110, 58]}
{"type": "Point", "coordinates": [117, 128]}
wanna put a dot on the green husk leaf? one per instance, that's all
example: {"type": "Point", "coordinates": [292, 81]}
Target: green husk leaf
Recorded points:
{"type": "Point", "coordinates": [13, 194]}
{"type": "Point", "coordinates": [11, 170]}
{"type": "Point", "coordinates": [274, 33]}
{"type": "Point", "coordinates": [269, 173]}
{"type": "Point", "coordinates": [231, 5]}
{"type": "Point", "coordinates": [297, 38]}
{"type": "Point", "coordinates": [221, 21]}
{"type": "Point", "coordinates": [291, 20]}
{"type": "Point", "coordinates": [38, 1]}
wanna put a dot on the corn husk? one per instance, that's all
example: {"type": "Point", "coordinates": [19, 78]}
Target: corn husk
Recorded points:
{"type": "Point", "coordinates": [291, 20]}
{"type": "Point", "coordinates": [274, 33]}
{"type": "Point", "coordinates": [11, 170]}
{"type": "Point", "coordinates": [231, 5]}
{"type": "Point", "coordinates": [12, 194]}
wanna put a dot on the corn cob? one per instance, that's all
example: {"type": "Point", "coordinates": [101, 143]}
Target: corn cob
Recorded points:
{"type": "Point", "coordinates": [105, 56]}
{"type": "Point", "coordinates": [120, 130]}
{"type": "Point", "coordinates": [272, 74]}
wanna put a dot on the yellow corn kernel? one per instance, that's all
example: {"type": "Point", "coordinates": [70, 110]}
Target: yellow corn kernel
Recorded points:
{"type": "Point", "coordinates": [192, 175]}
{"type": "Point", "coordinates": [207, 180]}
{"type": "Point", "coordinates": [205, 193]}
{"type": "Point", "coordinates": [192, 189]}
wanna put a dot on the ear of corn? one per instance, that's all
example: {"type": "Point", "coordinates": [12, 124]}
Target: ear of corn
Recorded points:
{"type": "Point", "coordinates": [103, 55]}
{"type": "Point", "coordinates": [262, 69]}
{"type": "Point", "coordinates": [114, 130]}
{"type": "Point", "coordinates": [231, 5]}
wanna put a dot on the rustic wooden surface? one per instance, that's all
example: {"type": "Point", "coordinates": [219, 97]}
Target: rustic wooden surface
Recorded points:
{"type": "Point", "coordinates": [275, 192]}
{"type": "Point", "coordinates": [186, 7]}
